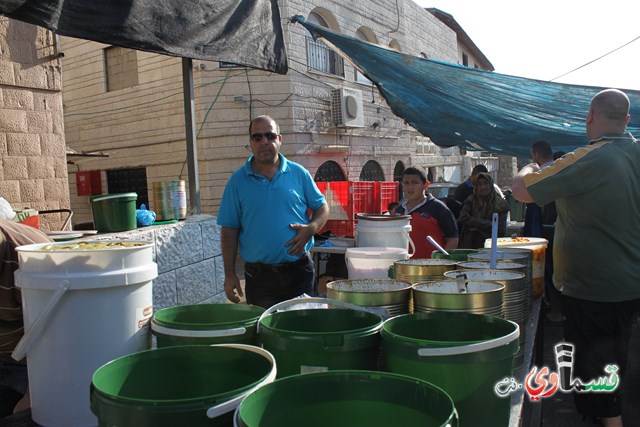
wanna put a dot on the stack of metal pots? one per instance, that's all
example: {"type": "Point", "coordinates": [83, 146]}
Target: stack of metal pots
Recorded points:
{"type": "Point", "coordinates": [517, 255]}
{"type": "Point", "coordinates": [514, 298]}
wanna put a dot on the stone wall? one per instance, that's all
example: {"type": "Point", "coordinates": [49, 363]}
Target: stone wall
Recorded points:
{"type": "Point", "coordinates": [33, 167]}
{"type": "Point", "coordinates": [189, 258]}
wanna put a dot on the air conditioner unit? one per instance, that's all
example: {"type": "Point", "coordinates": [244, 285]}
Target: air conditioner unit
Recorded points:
{"type": "Point", "coordinates": [346, 108]}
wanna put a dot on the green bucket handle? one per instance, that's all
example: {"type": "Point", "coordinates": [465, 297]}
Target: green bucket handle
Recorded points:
{"type": "Point", "coordinates": [294, 301]}
{"type": "Point", "coordinates": [231, 405]}
{"type": "Point", "coordinates": [185, 333]}
{"type": "Point", "coordinates": [471, 348]}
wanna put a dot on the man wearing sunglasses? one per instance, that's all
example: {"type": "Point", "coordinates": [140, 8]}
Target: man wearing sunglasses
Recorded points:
{"type": "Point", "coordinates": [264, 213]}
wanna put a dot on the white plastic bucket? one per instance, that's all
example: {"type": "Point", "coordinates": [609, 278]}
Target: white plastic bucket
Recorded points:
{"type": "Point", "coordinates": [372, 263]}
{"type": "Point", "coordinates": [389, 231]}
{"type": "Point", "coordinates": [82, 308]}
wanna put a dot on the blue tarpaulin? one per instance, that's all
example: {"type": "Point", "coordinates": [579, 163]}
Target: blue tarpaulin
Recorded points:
{"type": "Point", "coordinates": [471, 108]}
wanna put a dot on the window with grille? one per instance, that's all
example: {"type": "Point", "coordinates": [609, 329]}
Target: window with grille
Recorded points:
{"type": "Point", "coordinates": [397, 176]}
{"type": "Point", "coordinates": [319, 56]}
{"type": "Point", "coordinates": [120, 68]}
{"type": "Point", "coordinates": [372, 171]}
{"type": "Point", "coordinates": [129, 181]}
{"type": "Point", "coordinates": [329, 171]}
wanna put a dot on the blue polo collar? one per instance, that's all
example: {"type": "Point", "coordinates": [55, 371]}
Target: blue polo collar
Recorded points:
{"type": "Point", "coordinates": [284, 165]}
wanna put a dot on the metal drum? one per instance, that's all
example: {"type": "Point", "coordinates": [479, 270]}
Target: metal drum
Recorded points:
{"type": "Point", "coordinates": [444, 295]}
{"type": "Point", "coordinates": [519, 255]}
{"type": "Point", "coordinates": [391, 295]}
{"type": "Point", "coordinates": [170, 200]}
{"type": "Point", "coordinates": [422, 270]}
{"type": "Point", "coordinates": [514, 298]}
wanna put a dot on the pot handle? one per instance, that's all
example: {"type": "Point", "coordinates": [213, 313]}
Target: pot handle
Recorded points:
{"type": "Point", "coordinates": [228, 406]}
{"type": "Point", "coordinates": [471, 348]}
{"type": "Point", "coordinates": [455, 422]}
{"type": "Point", "coordinates": [406, 229]}
{"type": "Point", "coordinates": [40, 323]}
{"type": "Point", "coordinates": [294, 301]}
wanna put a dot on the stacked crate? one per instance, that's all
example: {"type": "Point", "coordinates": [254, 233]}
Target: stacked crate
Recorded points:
{"type": "Point", "coordinates": [348, 198]}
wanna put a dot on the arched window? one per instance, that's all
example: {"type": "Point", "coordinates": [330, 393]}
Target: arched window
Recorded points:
{"type": "Point", "coordinates": [366, 35]}
{"type": "Point", "coordinates": [397, 171]}
{"type": "Point", "coordinates": [371, 171]}
{"type": "Point", "coordinates": [319, 56]}
{"type": "Point", "coordinates": [329, 171]}
{"type": "Point", "coordinates": [397, 176]}
{"type": "Point", "coordinates": [395, 45]}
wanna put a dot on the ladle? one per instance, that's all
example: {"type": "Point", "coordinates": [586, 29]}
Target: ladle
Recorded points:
{"type": "Point", "coordinates": [438, 247]}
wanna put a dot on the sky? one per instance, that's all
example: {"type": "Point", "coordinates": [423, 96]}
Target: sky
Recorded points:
{"type": "Point", "coordinates": [544, 39]}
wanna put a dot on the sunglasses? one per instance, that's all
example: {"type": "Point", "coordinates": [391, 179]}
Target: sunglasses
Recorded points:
{"type": "Point", "coordinates": [269, 135]}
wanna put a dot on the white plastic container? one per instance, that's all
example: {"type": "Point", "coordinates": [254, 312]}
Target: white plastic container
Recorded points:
{"type": "Point", "coordinates": [389, 231]}
{"type": "Point", "coordinates": [536, 244]}
{"type": "Point", "coordinates": [82, 309]}
{"type": "Point", "coordinates": [372, 263]}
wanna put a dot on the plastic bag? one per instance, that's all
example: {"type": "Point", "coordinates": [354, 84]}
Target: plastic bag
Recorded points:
{"type": "Point", "coordinates": [6, 211]}
{"type": "Point", "coordinates": [144, 216]}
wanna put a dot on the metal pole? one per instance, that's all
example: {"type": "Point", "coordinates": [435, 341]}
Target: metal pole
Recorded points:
{"type": "Point", "coordinates": [190, 126]}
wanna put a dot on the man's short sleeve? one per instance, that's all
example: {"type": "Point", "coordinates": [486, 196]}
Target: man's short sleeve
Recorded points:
{"type": "Point", "coordinates": [229, 212]}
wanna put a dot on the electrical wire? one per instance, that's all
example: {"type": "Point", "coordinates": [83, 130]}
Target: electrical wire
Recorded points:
{"type": "Point", "coordinates": [597, 59]}
{"type": "Point", "coordinates": [143, 104]}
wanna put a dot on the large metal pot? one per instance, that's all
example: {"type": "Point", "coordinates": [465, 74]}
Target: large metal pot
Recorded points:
{"type": "Point", "coordinates": [478, 298]}
{"type": "Point", "coordinates": [392, 295]}
{"type": "Point", "coordinates": [420, 270]}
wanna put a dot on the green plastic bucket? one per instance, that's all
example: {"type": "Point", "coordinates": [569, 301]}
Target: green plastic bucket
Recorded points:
{"type": "Point", "coordinates": [464, 354]}
{"type": "Point", "coordinates": [346, 399]}
{"type": "Point", "coordinates": [454, 254]}
{"type": "Point", "coordinates": [203, 324]}
{"type": "Point", "coordinates": [316, 340]}
{"type": "Point", "coordinates": [114, 212]}
{"type": "Point", "coordinates": [179, 386]}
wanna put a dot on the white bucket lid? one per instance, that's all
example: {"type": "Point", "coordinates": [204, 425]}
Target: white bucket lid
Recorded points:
{"type": "Point", "coordinates": [377, 252]}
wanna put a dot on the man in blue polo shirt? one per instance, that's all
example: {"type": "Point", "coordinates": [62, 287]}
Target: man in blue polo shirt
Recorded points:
{"type": "Point", "coordinates": [264, 211]}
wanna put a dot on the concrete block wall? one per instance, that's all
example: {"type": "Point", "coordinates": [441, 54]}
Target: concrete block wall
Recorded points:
{"type": "Point", "coordinates": [189, 259]}
{"type": "Point", "coordinates": [33, 168]}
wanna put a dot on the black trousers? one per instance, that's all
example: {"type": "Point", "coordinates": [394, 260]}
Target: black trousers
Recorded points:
{"type": "Point", "coordinates": [600, 333]}
{"type": "Point", "coordinates": [267, 285]}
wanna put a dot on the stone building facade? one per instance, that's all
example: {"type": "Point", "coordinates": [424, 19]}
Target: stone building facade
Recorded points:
{"type": "Point", "coordinates": [129, 105]}
{"type": "Point", "coordinates": [33, 168]}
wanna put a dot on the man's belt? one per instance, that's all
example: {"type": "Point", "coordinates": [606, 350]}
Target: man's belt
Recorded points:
{"type": "Point", "coordinates": [279, 268]}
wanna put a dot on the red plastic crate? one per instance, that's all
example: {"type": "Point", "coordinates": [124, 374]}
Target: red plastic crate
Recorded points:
{"type": "Point", "coordinates": [363, 197]}
{"type": "Point", "coordinates": [343, 228]}
{"type": "Point", "coordinates": [348, 198]}
{"type": "Point", "coordinates": [337, 195]}
{"type": "Point", "coordinates": [386, 193]}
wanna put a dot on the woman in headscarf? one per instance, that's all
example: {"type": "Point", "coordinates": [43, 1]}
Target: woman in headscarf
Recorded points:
{"type": "Point", "coordinates": [477, 211]}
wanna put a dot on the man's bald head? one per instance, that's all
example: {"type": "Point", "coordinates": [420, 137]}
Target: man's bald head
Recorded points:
{"type": "Point", "coordinates": [609, 112]}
